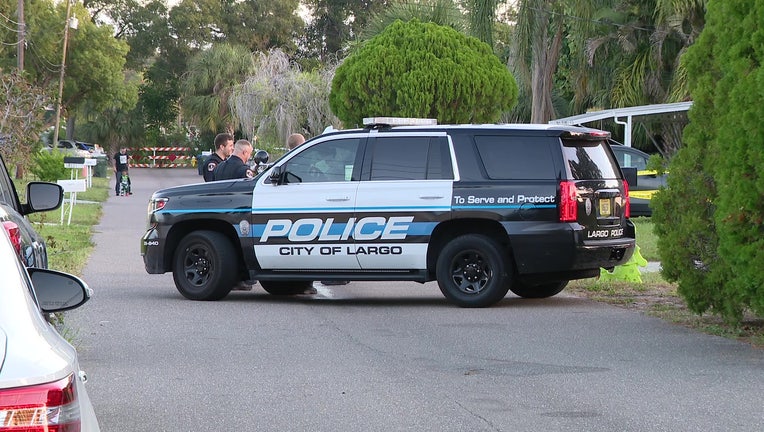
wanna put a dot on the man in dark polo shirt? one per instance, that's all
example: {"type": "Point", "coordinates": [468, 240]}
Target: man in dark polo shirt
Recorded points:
{"type": "Point", "coordinates": [236, 167]}
{"type": "Point", "coordinates": [223, 149]}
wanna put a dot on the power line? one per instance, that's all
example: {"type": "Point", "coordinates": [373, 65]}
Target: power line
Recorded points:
{"type": "Point", "coordinates": [11, 29]}
{"type": "Point", "coordinates": [9, 20]}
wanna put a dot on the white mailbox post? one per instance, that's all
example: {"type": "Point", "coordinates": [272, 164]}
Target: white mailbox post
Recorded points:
{"type": "Point", "coordinates": [75, 164]}
{"type": "Point", "coordinates": [90, 163]}
{"type": "Point", "coordinates": [71, 187]}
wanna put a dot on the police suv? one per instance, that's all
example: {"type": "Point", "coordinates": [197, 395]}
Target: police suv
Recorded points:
{"type": "Point", "coordinates": [482, 209]}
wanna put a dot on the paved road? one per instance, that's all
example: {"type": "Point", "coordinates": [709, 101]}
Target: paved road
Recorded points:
{"type": "Point", "coordinates": [387, 357]}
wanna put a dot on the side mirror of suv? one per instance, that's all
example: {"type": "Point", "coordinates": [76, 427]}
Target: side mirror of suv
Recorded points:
{"type": "Point", "coordinates": [276, 175]}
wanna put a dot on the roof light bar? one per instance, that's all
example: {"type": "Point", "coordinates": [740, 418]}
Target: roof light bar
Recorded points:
{"type": "Point", "coordinates": [399, 121]}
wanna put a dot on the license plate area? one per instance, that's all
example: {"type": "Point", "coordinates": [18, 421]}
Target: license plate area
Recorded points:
{"type": "Point", "coordinates": [605, 207]}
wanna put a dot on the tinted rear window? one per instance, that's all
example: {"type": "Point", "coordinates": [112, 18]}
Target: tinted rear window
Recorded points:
{"type": "Point", "coordinates": [589, 160]}
{"type": "Point", "coordinates": [516, 158]}
{"type": "Point", "coordinates": [411, 158]}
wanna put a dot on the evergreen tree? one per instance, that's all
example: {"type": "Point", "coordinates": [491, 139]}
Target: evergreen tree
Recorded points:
{"type": "Point", "coordinates": [417, 69]}
{"type": "Point", "coordinates": [710, 218]}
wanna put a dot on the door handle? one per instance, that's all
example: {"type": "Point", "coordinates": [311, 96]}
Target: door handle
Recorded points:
{"type": "Point", "coordinates": [338, 199]}
{"type": "Point", "coordinates": [430, 197]}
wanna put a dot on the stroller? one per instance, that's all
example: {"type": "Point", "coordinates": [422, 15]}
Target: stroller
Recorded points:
{"type": "Point", "coordinates": [124, 185]}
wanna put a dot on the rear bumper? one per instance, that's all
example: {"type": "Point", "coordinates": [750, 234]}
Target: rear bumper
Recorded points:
{"type": "Point", "coordinates": [561, 249]}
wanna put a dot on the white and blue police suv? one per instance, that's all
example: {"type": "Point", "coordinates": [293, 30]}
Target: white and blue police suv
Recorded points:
{"type": "Point", "coordinates": [482, 209]}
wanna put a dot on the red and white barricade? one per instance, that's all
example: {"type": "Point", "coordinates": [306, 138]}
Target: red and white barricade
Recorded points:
{"type": "Point", "coordinates": [161, 157]}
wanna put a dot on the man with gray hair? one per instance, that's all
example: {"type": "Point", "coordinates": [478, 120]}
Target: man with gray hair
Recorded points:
{"type": "Point", "coordinates": [236, 167]}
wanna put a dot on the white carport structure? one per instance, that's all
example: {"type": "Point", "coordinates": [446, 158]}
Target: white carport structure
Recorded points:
{"type": "Point", "coordinates": [623, 116]}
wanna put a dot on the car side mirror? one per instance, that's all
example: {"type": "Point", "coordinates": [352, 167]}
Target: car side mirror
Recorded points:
{"type": "Point", "coordinates": [277, 173]}
{"type": "Point", "coordinates": [630, 175]}
{"type": "Point", "coordinates": [43, 196]}
{"type": "Point", "coordinates": [57, 291]}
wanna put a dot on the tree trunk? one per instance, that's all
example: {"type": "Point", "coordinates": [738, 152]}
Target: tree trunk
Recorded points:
{"type": "Point", "coordinates": [70, 126]}
{"type": "Point", "coordinates": [546, 53]}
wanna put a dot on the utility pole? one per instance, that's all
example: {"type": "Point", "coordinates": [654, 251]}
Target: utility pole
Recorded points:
{"type": "Point", "coordinates": [61, 78]}
{"type": "Point", "coordinates": [22, 35]}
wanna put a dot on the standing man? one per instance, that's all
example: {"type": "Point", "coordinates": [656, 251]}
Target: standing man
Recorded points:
{"type": "Point", "coordinates": [294, 140]}
{"type": "Point", "coordinates": [223, 149]}
{"type": "Point", "coordinates": [236, 167]}
{"type": "Point", "coordinates": [120, 166]}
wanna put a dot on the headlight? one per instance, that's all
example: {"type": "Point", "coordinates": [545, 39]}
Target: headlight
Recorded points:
{"type": "Point", "coordinates": [156, 204]}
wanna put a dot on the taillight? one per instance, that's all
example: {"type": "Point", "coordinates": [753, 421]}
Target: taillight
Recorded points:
{"type": "Point", "coordinates": [568, 202]}
{"type": "Point", "coordinates": [50, 407]}
{"type": "Point", "coordinates": [14, 233]}
{"type": "Point", "coordinates": [627, 200]}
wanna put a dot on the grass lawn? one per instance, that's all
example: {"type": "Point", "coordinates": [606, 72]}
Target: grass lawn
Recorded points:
{"type": "Point", "coordinates": [69, 246]}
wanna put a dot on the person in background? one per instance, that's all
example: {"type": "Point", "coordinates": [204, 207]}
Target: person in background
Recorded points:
{"type": "Point", "coordinates": [294, 140]}
{"type": "Point", "coordinates": [121, 162]}
{"type": "Point", "coordinates": [236, 167]}
{"type": "Point", "coordinates": [223, 149]}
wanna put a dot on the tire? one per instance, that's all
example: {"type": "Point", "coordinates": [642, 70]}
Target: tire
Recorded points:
{"type": "Point", "coordinates": [286, 288]}
{"type": "Point", "coordinates": [204, 266]}
{"type": "Point", "coordinates": [538, 291]}
{"type": "Point", "coordinates": [474, 271]}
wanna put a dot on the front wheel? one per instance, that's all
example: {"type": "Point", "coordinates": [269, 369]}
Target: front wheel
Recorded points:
{"type": "Point", "coordinates": [538, 291]}
{"type": "Point", "coordinates": [204, 266]}
{"type": "Point", "coordinates": [474, 271]}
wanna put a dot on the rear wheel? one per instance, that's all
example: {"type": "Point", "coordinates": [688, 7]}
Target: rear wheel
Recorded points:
{"type": "Point", "coordinates": [285, 288]}
{"type": "Point", "coordinates": [204, 266]}
{"type": "Point", "coordinates": [538, 291]}
{"type": "Point", "coordinates": [474, 271]}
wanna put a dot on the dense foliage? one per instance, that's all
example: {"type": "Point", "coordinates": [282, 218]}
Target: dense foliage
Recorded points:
{"type": "Point", "coordinates": [710, 219]}
{"type": "Point", "coordinates": [22, 106]}
{"type": "Point", "coordinates": [49, 165]}
{"type": "Point", "coordinates": [417, 69]}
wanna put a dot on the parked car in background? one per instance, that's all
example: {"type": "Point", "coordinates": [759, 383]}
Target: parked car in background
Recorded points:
{"type": "Point", "coordinates": [40, 196]}
{"type": "Point", "coordinates": [648, 181]}
{"type": "Point", "coordinates": [84, 146]}
{"type": "Point", "coordinates": [74, 148]}
{"type": "Point", "coordinates": [41, 384]}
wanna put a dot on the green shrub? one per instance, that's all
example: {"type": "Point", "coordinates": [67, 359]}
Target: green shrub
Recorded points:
{"type": "Point", "coordinates": [709, 220]}
{"type": "Point", "coordinates": [48, 166]}
{"type": "Point", "coordinates": [417, 69]}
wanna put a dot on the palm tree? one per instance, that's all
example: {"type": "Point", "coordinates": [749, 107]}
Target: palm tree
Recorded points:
{"type": "Point", "coordinates": [441, 12]}
{"type": "Point", "coordinates": [482, 19]}
{"type": "Point", "coordinates": [635, 60]}
{"type": "Point", "coordinates": [538, 39]}
{"type": "Point", "coordinates": [207, 86]}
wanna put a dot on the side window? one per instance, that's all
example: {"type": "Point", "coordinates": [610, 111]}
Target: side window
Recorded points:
{"type": "Point", "coordinates": [439, 165]}
{"type": "Point", "coordinates": [411, 158]}
{"type": "Point", "coordinates": [512, 157]}
{"type": "Point", "coordinates": [329, 161]}
{"type": "Point", "coordinates": [629, 160]}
